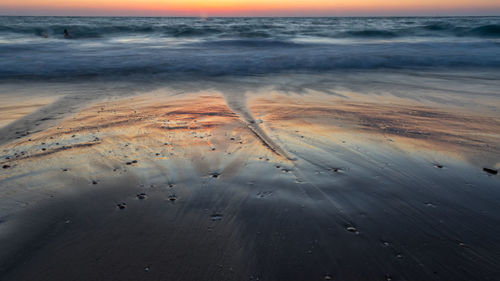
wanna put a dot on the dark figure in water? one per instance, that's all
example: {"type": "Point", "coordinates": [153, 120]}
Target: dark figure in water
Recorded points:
{"type": "Point", "coordinates": [66, 34]}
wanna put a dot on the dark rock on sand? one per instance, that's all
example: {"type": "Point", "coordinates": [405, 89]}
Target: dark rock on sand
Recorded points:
{"type": "Point", "coordinates": [5, 166]}
{"type": "Point", "coordinates": [216, 217]}
{"type": "Point", "coordinates": [141, 196]}
{"type": "Point", "coordinates": [490, 171]}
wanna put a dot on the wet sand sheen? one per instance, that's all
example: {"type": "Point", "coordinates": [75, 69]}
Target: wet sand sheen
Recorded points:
{"type": "Point", "coordinates": [160, 186]}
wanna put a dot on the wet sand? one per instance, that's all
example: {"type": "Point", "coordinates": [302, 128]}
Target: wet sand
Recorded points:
{"type": "Point", "coordinates": [195, 182]}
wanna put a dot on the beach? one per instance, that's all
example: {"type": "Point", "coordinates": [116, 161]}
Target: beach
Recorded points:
{"type": "Point", "coordinates": [337, 174]}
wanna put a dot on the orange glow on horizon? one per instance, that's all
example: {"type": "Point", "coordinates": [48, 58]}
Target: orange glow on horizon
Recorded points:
{"type": "Point", "coordinates": [255, 7]}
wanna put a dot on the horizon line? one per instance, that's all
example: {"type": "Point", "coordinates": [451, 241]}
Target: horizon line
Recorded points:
{"type": "Point", "coordinates": [225, 16]}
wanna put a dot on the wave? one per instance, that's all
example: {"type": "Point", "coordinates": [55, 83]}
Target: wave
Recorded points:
{"type": "Point", "coordinates": [107, 47]}
{"type": "Point", "coordinates": [371, 33]}
{"type": "Point", "coordinates": [236, 57]}
{"type": "Point", "coordinates": [491, 30]}
{"type": "Point", "coordinates": [245, 43]}
{"type": "Point", "coordinates": [88, 28]}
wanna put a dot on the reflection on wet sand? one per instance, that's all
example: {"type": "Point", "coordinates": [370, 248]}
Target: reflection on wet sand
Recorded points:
{"type": "Point", "coordinates": [467, 135]}
{"type": "Point", "coordinates": [298, 187]}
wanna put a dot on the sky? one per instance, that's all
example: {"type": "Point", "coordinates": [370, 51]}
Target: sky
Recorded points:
{"type": "Point", "coordinates": [209, 8]}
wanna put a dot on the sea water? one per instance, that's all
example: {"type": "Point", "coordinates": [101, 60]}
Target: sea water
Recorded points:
{"type": "Point", "coordinates": [36, 48]}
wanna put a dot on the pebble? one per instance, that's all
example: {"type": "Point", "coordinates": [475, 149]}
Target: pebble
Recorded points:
{"type": "Point", "coordinates": [121, 206]}
{"type": "Point", "coordinates": [216, 217]}
{"type": "Point", "coordinates": [141, 196]}
{"type": "Point", "coordinates": [352, 229]}
{"type": "Point", "coordinates": [490, 171]}
{"type": "Point", "coordinates": [5, 166]}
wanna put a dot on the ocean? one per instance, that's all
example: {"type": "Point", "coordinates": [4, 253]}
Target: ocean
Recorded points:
{"type": "Point", "coordinates": [107, 47]}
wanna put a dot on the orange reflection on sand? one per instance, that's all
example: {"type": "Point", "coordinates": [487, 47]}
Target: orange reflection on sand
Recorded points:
{"type": "Point", "coordinates": [409, 126]}
{"type": "Point", "coordinates": [146, 129]}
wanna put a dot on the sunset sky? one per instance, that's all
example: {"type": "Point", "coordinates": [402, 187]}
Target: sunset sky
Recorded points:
{"type": "Point", "coordinates": [249, 7]}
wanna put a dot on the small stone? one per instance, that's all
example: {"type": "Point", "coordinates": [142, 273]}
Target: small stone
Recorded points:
{"type": "Point", "coordinates": [141, 196]}
{"type": "Point", "coordinates": [5, 166]}
{"type": "Point", "coordinates": [216, 217]}
{"type": "Point", "coordinates": [121, 206]}
{"type": "Point", "coordinates": [490, 171]}
{"type": "Point", "coordinates": [94, 182]}
{"type": "Point", "coordinates": [172, 198]}
{"type": "Point", "coordinates": [351, 229]}
{"type": "Point", "coordinates": [327, 277]}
